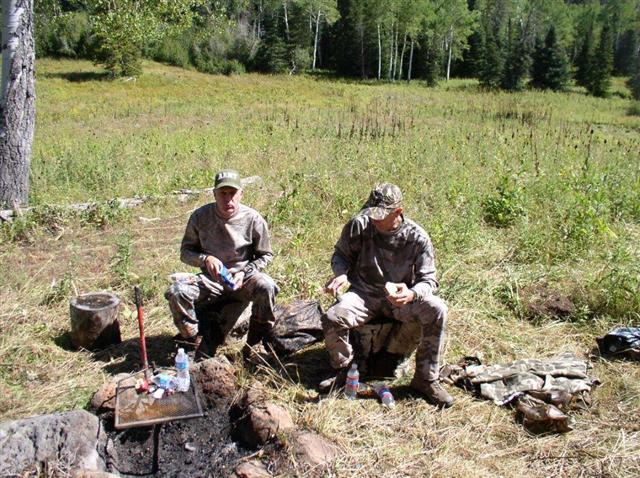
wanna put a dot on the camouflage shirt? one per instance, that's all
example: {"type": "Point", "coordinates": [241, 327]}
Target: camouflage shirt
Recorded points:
{"type": "Point", "coordinates": [371, 258]}
{"type": "Point", "coordinates": [241, 242]}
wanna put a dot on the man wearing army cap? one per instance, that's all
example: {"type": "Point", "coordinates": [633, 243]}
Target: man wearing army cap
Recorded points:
{"type": "Point", "coordinates": [219, 235]}
{"type": "Point", "coordinates": [388, 261]}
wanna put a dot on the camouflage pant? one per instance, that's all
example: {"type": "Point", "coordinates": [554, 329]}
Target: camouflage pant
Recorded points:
{"type": "Point", "coordinates": [356, 308]}
{"type": "Point", "coordinates": [184, 296]}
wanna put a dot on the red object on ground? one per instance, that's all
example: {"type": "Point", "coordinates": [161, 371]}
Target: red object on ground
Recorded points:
{"type": "Point", "coordinates": [143, 344]}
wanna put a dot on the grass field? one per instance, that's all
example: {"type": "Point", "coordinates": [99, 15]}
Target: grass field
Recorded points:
{"type": "Point", "coordinates": [519, 192]}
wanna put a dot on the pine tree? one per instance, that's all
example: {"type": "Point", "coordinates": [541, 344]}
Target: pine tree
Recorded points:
{"type": "Point", "coordinates": [584, 59]}
{"type": "Point", "coordinates": [550, 68]}
{"type": "Point", "coordinates": [492, 61]}
{"type": "Point", "coordinates": [516, 64]}
{"type": "Point", "coordinates": [599, 79]}
{"type": "Point", "coordinates": [634, 81]}
{"type": "Point", "coordinates": [626, 52]}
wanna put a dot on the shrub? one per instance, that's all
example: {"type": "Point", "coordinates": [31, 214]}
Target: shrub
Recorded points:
{"type": "Point", "coordinates": [503, 208]}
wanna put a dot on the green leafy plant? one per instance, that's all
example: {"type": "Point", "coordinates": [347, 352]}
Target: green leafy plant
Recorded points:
{"type": "Point", "coordinates": [505, 207]}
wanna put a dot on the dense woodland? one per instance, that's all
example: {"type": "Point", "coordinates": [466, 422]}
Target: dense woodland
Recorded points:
{"type": "Point", "coordinates": [506, 44]}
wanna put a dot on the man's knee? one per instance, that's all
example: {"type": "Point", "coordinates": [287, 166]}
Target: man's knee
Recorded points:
{"type": "Point", "coordinates": [432, 310]}
{"type": "Point", "coordinates": [336, 318]}
{"type": "Point", "coordinates": [177, 292]}
{"type": "Point", "coordinates": [264, 285]}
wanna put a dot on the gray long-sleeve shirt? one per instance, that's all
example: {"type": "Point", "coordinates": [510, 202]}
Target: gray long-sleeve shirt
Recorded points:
{"type": "Point", "coordinates": [371, 258]}
{"type": "Point", "coordinates": [241, 242]}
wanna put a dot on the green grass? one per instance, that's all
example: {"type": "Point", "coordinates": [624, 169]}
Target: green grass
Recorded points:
{"type": "Point", "coordinates": [516, 190]}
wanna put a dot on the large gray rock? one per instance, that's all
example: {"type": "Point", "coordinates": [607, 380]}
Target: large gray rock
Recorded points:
{"type": "Point", "coordinates": [69, 439]}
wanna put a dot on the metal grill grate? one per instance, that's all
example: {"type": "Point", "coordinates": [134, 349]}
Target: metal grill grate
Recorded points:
{"type": "Point", "coordinates": [138, 410]}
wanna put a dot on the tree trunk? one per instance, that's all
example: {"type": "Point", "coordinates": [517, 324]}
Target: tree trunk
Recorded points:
{"type": "Point", "coordinates": [404, 45]}
{"type": "Point", "coordinates": [17, 104]}
{"type": "Point", "coordinates": [315, 41]}
{"type": "Point", "coordinates": [410, 62]}
{"type": "Point", "coordinates": [379, 53]}
{"type": "Point", "coordinates": [395, 55]}
{"type": "Point", "coordinates": [286, 19]}
{"type": "Point", "coordinates": [390, 53]}
{"type": "Point", "coordinates": [94, 320]}
{"type": "Point", "coordinates": [450, 49]}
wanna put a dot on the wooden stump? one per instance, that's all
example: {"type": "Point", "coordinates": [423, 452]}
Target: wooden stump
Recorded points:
{"type": "Point", "coordinates": [383, 346]}
{"type": "Point", "coordinates": [94, 320]}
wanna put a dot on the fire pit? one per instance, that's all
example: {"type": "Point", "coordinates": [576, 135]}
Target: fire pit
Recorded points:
{"type": "Point", "coordinates": [135, 409]}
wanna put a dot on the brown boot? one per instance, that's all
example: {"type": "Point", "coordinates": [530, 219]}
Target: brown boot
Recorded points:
{"type": "Point", "coordinates": [433, 392]}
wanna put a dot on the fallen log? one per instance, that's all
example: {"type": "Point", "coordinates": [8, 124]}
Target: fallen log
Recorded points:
{"type": "Point", "coordinates": [8, 215]}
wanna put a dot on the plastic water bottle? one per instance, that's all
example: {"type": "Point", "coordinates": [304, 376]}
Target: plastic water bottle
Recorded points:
{"type": "Point", "coordinates": [352, 384]}
{"type": "Point", "coordinates": [385, 396]}
{"type": "Point", "coordinates": [182, 369]}
{"type": "Point", "coordinates": [225, 275]}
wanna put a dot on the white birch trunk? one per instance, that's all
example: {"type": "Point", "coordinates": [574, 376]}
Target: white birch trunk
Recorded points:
{"type": "Point", "coordinates": [449, 55]}
{"type": "Point", "coordinates": [410, 62]}
{"type": "Point", "coordinates": [17, 104]}
{"type": "Point", "coordinates": [286, 19]}
{"type": "Point", "coordinates": [404, 45]}
{"type": "Point", "coordinates": [379, 53]}
{"type": "Point", "coordinates": [315, 41]}
{"type": "Point", "coordinates": [390, 52]}
{"type": "Point", "coordinates": [395, 55]}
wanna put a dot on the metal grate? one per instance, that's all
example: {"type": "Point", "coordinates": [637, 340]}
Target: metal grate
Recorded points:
{"type": "Point", "coordinates": [138, 410]}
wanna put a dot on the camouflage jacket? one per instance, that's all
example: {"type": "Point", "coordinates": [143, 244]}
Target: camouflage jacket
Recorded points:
{"type": "Point", "coordinates": [371, 258]}
{"type": "Point", "coordinates": [241, 242]}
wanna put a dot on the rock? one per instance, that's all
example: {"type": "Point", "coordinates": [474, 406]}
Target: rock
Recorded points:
{"type": "Point", "coordinates": [216, 379]}
{"type": "Point", "coordinates": [105, 396]}
{"type": "Point", "coordinates": [79, 473]}
{"type": "Point", "coordinates": [257, 421]}
{"type": "Point", "coordinates": [251, 469]}
{"type": "Point", "coordinates": [312, 450]}
{"type": "Point", "coordinates": [69, 439]}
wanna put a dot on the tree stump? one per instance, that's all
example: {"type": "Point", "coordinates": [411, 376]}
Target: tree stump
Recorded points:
{"type": "Point", "coordinates": [94, 320]}
{"type": "Point", "coordinates": [383, 345]}
{"type": "Point", "coordinates": [218, 320]}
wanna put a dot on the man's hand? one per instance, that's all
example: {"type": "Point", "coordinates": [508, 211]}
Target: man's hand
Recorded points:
{"type": "Point", "coordinates": [213, 265]}
{"type": "Point", "coordinates": [333, 286]}
{"type": "Point", "coordinates": [401, 296]}
{"type": "Point", "coordinates": [238, 280]}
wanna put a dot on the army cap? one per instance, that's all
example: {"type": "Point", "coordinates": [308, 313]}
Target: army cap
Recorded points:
{"type": "Point", "coordinates": [227, 178]}
{"type": "Point", "coordinates": [384, 199]}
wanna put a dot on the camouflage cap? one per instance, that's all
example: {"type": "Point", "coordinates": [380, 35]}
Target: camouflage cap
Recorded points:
{"type": "Point", "coordinates": [228, 178]}
{"type": "Point", "coordinates": [384, 199]}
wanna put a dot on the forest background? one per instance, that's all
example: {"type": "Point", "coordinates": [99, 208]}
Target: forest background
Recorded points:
{"type": "Point", "coordinates": [506, 44]}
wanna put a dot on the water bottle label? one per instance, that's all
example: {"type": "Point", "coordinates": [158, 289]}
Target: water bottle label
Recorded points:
{"type": "Point", "coordinates": [181, 365]}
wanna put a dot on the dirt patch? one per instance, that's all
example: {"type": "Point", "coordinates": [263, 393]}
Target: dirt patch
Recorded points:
{"type": "Point", "coordinates": [541, 301]}
{"type": "Point", "coordinates": [182, 448]}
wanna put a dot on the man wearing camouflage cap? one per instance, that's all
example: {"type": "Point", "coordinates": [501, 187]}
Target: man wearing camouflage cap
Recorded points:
{"type": "Point", "coordinates": [219, 235]}
{"type": "Point", "coordinates": [389, 262]}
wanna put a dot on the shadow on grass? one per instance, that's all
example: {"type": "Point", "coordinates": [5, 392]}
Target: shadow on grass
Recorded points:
{"type": "Point", "coordinates": [81, 76]}
{"type": "Point", "coordinates": [307, 367]}
{"type": "Point", "coordinates": [125, 356]}
{"type": "Point", "coordinates": [63, 340]}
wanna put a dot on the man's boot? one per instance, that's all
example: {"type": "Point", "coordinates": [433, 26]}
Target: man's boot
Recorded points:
{"type": "Point", "coordinates": [335, 381]}
{"type": "Point", "coordinates": [433, 392]}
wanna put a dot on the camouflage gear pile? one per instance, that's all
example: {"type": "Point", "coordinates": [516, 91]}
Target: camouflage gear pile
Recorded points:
{"type": "Point", "coordinates": [541, 390]}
